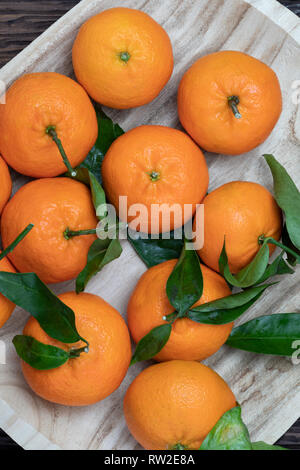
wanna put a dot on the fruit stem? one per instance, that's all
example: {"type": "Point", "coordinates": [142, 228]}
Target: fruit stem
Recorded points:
{"type": "Point", "coordinates": [179, 446]}
{"type": "Point", "coordinates": [171, 317]}
{"type": "Point", "coordinates": [73, 353]}
{"type": "Point", "coordinates": [124, 56]}
{"type": "Point", "coordinates": [51, 131]}
{"type": "Point", "coordinates": [233, 102]}
{"type": "Point", "coordinates": [73, 233]}
{"type": "Point", "coordinates": [13, 245]}
{"type": "Point", "coordinates": [154, 175]}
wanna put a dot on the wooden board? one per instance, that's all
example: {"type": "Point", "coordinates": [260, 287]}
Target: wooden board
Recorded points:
{"type": "Point", "coordinates": [268, 388]}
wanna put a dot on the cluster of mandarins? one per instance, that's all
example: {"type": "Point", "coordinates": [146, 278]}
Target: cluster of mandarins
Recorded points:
{"type": "Point", "coordinates": [228, 103]}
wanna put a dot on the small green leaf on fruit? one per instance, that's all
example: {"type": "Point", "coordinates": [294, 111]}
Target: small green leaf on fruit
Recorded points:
{"type": "Point", "coordinates": [38, 355]}
{"type": "Point", "coordinates": [185, 284]}
{"type": "Point", "coordinates": [152, 343]}
{"type": "Point", "coordinates": [230, 433]}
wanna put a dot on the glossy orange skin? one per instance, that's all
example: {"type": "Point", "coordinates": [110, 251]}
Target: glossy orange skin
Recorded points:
{"type": "Point", "coordinates": [5, 184]}
{"type": "Point", "coordinates": [6, 306]}
{"type": "Point", "coordinates": [94, 375]}
{"type": "Point", "coordinates": [203, 102]}
{"type": "Point", "coordinates": [241, 211]}
{"type": "Point", "coordinates": [189, 340]}
{"type": "Point", "coordinates": [99, 68]}
{"type": "Point", "coordinates": [182, 167]}
{"type": "Point", "coordinates": [52, 205]}
{"type": "Point", "coordinates": [175, 402]}
{"type": "Point", "coordinates": [34, 102]}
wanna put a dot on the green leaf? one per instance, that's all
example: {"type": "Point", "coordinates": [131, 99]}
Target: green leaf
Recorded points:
{"type": "Point", "coordinates": [286, 249]}
{"type": "Point", "coordinates": [185, 284]}
{"type": "Point", "coordinates": [291, 259]}
{"type": "Point", "coordinates": [287, 196]}
{"type": "Point", "coordinates": [251, 274]}
{"type": "Point", "coordinates": [98, 194]}
{"type": "Point", "coordinates": [100, 254]}
{"type": "Point", "coordinates": [108, 133]}
{"type": "Point", "coordinates": [270, 334]}
{"type": "Point", "coordinates": [152, 343]}
{"type": "Point", "coordinates": [230, 433]}
{"type": "Point", "coordinates": [263, 446]}
{"type": "Point", "coordinates": [156, 251]}
{"type": "Point", "coordinates": [30, 293]}
{"type": "Point", "coordinates": [227, 309]}
{"type": "Point", "coordinates": [89, 172]}
{"type": "Point", "coordinates": [277, 267]}
{"type": "Point", "coordinates": [38, 355]}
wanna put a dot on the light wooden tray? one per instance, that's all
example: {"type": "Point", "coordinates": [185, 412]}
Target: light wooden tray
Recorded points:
{"type": "Point", "coordinates": [268, 388]}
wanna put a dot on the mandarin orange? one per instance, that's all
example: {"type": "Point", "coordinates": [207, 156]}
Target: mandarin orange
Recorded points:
{"type": "Point", "coordinates": [94, 375]}
{"type": "Point", "coordinates": [54, 206]}
{"type": "Point", "coordinates": [239, 212]}
{"type": "Point", "coordinates": [189, 340]}
{"type": "Point", "coordinates": [123, 58]}
{"type": "Point", "coordinates": [175, 403]}
{"type": "Point", "coordinates": [159, 168]}
{"type": "Point", "coordinates": [35, 103]}
{"type": "Point", "coordinates": [229, 102]}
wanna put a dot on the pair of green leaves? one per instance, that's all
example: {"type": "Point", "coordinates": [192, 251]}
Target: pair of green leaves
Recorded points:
{"type": "Point", "coordinates": [231, 433]}
{"type": "Point", "coordinates": [102, 251]}
{"type": "Point", "coordinates": [55, 318]}
{"type": "Point", "coordinates": [108, 133]}
{"type": "Point", "coordinates": [258, 271]}
{"type": "Point", "coordinates": [184, 288]}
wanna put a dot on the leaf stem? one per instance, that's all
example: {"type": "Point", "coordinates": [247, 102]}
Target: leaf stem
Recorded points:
{"type": "Point", "coordinates": [171, 317]}
{"type": "Point", "coordinates": [51, 131]}
{"type": "Point", "coordinates": [73, 233]}
{"type": "Point", "coordinates": [233, 102]}
{"type": "Point", "coordinates": [285, 248]}
{"type": "Point", "coordinates": [74, 353]}
{"type": "Point", "coordinates": [13, 245]}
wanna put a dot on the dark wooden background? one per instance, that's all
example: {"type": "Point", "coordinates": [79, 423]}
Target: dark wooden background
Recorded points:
{"type": "Point", "coordinates": [20, 23]}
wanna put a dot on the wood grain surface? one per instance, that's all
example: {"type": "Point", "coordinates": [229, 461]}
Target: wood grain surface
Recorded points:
{"type": "Point", "coordinates": [20, 23]}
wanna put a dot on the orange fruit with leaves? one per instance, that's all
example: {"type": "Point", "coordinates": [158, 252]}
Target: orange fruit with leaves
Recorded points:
{"type": "Point", "coordinates": [189, 340]}
{"type": "Point", "coordinates": [241, 213]}
{"type": "Point", "coordinates": [6, 184]}
{"type": "Point", "coordinates": [175, 404]}
{"type": "Point", "coordinates": [93, 375]}
{"type": "Point", "coordinates": [123, 58]}
{"type": "Point", "coordinates": [55, 206]}
{"type": "Point", "coordinates": [155, 165]}
{"type": "Point", "coordinates": [6, 306]}
{"type": "Point", "coordinates": [229, 102]}
{"type": "Point", "coordinates": [39, 103]}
